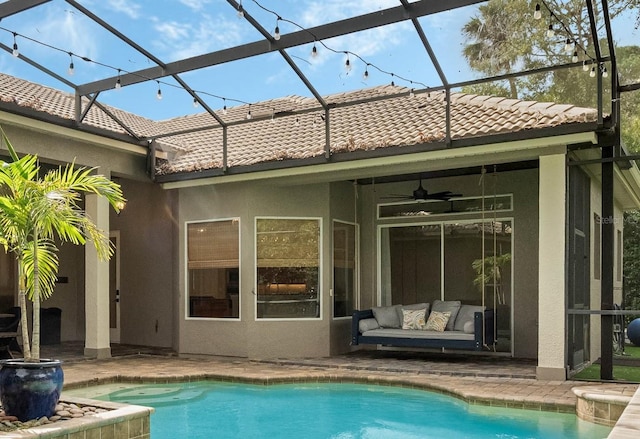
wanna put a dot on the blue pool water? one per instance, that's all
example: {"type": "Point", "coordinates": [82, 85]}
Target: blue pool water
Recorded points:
{"type": "Point", "coordinates": [338, 411]}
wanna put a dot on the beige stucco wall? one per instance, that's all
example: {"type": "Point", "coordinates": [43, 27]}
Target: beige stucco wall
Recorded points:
{"type": "Point", "coordinates": [147, 234]}
{"type": "Point", "coordinates": [249, 337]}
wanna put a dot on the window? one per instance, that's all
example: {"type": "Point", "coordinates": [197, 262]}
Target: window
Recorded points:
{"type": "Point", "coordinates": [345, 268]}
{"type": "Point", "coordinates": [213, 266]}
{"type": "Point", "coordinates": [597, 243]}
{"type": "Point", "coordinates": [288, 268]}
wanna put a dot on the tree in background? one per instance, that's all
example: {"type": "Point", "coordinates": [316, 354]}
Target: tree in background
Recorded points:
{"type": "Point", "coordinates": [503, 38]}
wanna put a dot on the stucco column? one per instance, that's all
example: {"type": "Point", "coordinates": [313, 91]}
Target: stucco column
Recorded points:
{"type": "Point", "coordinates": [551, 268]}
{"type": "Point", "coordinates": [96, 343]}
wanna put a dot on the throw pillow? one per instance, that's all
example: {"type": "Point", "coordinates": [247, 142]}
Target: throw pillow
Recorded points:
{"type": "Point", "coordinates": [466, 314]}
{"type": "Point", "coordinates": [387, 316]}
{"type": "Point", "coordinates": [437, 321]}
{"type": "Point", "coordinates": [469, 328]}
{"type": "Point", "coordinates": [413, 318]}
{"type": "Point", "coordinates": [451, 306]}
{"type": "Point", "coordinates": [424, 306]}
{"type": "Point", "coordinates": [365, 325]}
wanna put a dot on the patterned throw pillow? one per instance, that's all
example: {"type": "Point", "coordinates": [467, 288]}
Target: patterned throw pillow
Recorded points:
{"type": "Point", "coordinates": [437, 321]}
{"type": "Point", "coordinates": [413, 318]}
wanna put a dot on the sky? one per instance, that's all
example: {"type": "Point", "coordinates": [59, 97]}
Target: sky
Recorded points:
{"type": "Point", "coordinates": [176, 29]}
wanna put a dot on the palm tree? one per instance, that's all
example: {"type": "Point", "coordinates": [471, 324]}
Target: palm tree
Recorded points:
{"type": "Point", "coordinates": [36, 211]}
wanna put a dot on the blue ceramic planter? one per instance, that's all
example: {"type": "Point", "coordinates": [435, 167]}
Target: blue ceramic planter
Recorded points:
{"type": "Point", "coordinates": [30, 390]}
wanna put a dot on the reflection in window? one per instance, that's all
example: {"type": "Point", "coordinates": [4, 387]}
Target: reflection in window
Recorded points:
{"type": "Point", "coordinates": [344, 268]}
{"type": "Point", "coordinates": [288, 263]}
{"type": "Point", "coordinates": [213, 269]}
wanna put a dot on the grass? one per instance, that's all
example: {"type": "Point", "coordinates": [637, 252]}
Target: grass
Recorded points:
{"type": "Point", "coordinates": [620, 372]}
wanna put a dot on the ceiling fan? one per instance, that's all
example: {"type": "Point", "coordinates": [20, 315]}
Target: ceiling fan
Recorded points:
{"type": "Point", "coordinates": [421, 194]}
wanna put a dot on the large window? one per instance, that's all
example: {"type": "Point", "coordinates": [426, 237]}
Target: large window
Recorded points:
{"type": "Point", "coordinates": [213, 267]}
{"type": "Point", "coordinates": [345, 266]}
{"type": "Point", "coordinates": [288, 268]}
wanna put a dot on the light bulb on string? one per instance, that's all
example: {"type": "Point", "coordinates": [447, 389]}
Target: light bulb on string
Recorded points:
{"type": "Point", "coordinates": [314, 51]}
{"type": "Point", "coordinates": [276, 32]}
{"type": "Point", "coordinates": [224, 108]}
{"type": "Point", "coordinates": [240, 11]}
{"type": "Point", "coordinates": [15, 52]}
{"type": "Point", "coordinates": [550, 31]}
{"type": "Point", "coordinates": [568, 46]}
{"type": "Point", "coordinates": [159, 93]}
{"type": "Point", "coordinates": [592, 73]}
{"type": "Point", "coordinates": [347, 64]}
{"type": "Point", "coordinates": [273, 116]}
{"type": "Point", "coordinates": [71, 69]}
{"type": "Point", "coordinates": [196, 104]}
{"type": "Point", "coordinates": [118, 81]}
{"type": "Point", "coordinates": [249, 113]}
{"type": "Point", "coordinates": [605, 74]}
{"type": "Point", "coordinates": [297, 121]}
{"type": "Point", "coordinates": [585, 66]}
{"type": "Point", "coordinates": [365, 75]}
{"type": "Point", "coordinates": [537, 14]}
{"type": "Point", "coordinates": [411, 93]}
{"type": "Point", "coordinates": [574, 58]}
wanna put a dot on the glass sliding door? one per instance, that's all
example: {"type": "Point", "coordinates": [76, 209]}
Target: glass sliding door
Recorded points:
{"type": "Point", "coordinates": [411, 264]}
{"type": "Point", "coordinates": [288, 268]}
{"type": "Point", "coordinates": [478, 274]}
{"type": "Point", "coordinates": [467, 261]}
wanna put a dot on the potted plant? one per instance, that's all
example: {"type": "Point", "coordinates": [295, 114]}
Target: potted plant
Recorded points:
{"type": "Point", "coordinates": [36, 212]}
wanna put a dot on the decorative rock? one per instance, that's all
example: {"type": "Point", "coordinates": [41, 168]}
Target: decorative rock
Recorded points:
{"type": "Point", "coordinates": [55, 418]}
{"type": "Point", "coordinates": [63, 413]}
{"type": "Point", "coordinates": [59, 407]}
{"type": "Point", "coordinates": [77, 415]}
{"type": "Point", "coordinates": [75, 411]}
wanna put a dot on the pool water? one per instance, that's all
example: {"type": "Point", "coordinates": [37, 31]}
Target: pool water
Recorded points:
{"type": "Point", "coordinates": [338, 411]}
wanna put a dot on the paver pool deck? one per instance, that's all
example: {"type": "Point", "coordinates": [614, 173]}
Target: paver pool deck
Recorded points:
{"type": "Point", "coordinates": [480, 380]}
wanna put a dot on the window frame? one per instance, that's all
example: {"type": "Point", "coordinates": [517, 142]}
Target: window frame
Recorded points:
{"type": "Point", "coordinates": [356, 268]}
{"type": "Point", "coordinates": [320, 269]}
{"type": "Point", "coordinates": [187, 295]}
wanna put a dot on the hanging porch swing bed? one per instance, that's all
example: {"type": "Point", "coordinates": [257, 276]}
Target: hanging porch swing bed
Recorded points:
{"type": "Point", "coordinates": [449, 325]}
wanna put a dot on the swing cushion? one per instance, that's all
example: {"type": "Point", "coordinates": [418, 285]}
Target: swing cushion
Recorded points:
{"type": "Point", "coordinates": [450, 306]}
{"type": "Point", "coordinates": [387, 316]}
{"type": "Point", "coordinates": [465, 315]}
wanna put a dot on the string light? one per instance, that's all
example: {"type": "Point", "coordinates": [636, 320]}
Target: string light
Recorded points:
{"type": "Point", "coordinates": [605, 74]}
{"type": "Point", "coordinates": [314, 50]}
{"type": "Point", "coordinates": [365, 75]}
{"type": "Point", "coordinates": [411, 93]}
{"type": "Point", "coordinates": [550, 31]}
{"type": "Point", "coordinates": [159, 93]}
{"type": "Point", "coordinates": [240, 10]}
{"type": "Point", "coordinates": [71, 69]}
{"type": "Point", "coordinates": [249, 113]}
{"type": "Point", "coordinates": [585, 66]}
{"type": "Point", "coordinates": [538, 13]}
{"type": "Point", "coordinates": [118, 81]}
{"type": "Point", "coordinates": [224, 108]}
{"type": "Point", "coordinates": [297, 121]}
{"type": "Point", "coordinates": [568, 46]}
{"type": "Point", "coordinates": [15, 51]}
{"type": "Point", "coordinates": [196, 104]}
{"type": "Point", "coordinates": [276, 32]}
{"type": "Point", "coordinates": [575, 58]}
{"type": "Point", "coordinates": [592, 73]}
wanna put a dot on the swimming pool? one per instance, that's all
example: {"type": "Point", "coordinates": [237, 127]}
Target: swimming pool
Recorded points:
{"type": "Point", "coordinates": [340, 411]}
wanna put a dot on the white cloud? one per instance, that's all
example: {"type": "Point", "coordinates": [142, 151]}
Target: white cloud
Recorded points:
{"type": "Point", "coordinates": [69, 32]}
{"type": "Point", "coordinates": [319, 12]}
{"type": "Point", "coordinates": [127, 7]}
{"type": "Point", "coordinates": [196, 5]}
{"type": "Point", "coordinates": [184, 40]}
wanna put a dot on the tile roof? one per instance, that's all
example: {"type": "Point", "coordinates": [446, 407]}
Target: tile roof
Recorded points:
{"type": "Point", "coordinates": [367, 119]}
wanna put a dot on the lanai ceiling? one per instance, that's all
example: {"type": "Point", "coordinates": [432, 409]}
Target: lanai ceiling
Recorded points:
{"type": "Point", "coordinates": [421, 41]}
